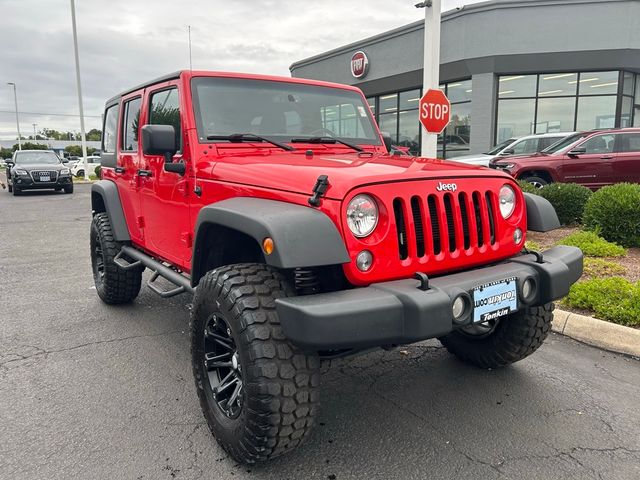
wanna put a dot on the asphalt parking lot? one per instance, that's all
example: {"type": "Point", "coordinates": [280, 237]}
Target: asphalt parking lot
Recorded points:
{"type": "Point", "coordinates": [92, 391]}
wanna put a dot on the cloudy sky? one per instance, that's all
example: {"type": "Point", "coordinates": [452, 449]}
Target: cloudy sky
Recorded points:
{"type": "Point", "coordinates": [125, 42]}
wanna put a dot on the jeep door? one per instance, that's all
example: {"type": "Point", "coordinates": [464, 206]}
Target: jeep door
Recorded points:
{"type": "Point", "coordinates": [592, 164]}
{"type": "Point", "coordinates": [626, 165]}
{"type": "Point", "coordinates": [128, 163]}
{"type": "Point", "coordinates": [165, 195]}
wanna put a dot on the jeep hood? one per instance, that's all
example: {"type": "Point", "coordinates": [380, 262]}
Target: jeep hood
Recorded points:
{"type": "Point", "coordinates": [295, 172]}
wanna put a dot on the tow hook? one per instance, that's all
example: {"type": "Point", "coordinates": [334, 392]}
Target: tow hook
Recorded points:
{"type": "Point", "coordinates": [424, 281]}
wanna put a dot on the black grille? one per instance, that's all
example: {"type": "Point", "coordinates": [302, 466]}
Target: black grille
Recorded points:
{"type": "Point", "coordinates": [42, 175]}
{"type": "Point", "coordinates": [450, 222]}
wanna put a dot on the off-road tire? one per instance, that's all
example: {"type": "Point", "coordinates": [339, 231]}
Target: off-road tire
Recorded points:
{"type": "Point", "coordinates": [537, 182]}
{"type": "Point", "coordinates": [515, 337]}
{"type": "Point", "coordinates": [281, 397]}
{"type": "Point", "coordinates": [116, 285]}
{"type": "Point", "coordinates": [68, 189]}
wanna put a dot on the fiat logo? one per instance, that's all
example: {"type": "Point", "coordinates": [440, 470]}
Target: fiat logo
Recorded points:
{"type": "Point", "coordinates": [359, 64]}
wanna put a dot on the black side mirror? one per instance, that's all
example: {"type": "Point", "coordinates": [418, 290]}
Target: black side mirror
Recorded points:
{"type": "Point", "coordinates": [159, 140]}
{"type": "Point", "coordinates": [574, 152]}
{"type": "Point", "coordinates": [178, 167]}
{"type": "Point", "coordinates": [386, 138]}
{"type": "Point", "coordinates": [9, 163]}
{"type": "Point", "coordinates": [509, 151]}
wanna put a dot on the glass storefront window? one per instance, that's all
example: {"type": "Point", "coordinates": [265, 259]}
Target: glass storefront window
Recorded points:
{"type": "Point", "coordinates": [636, 117]}
{"type": "Point", "coordinates": [598, 83]}
{"type": "Point", "coordinates": [388, 123]}
{"type": "Point", "coordinates": [388, 103]}
{"type": "Point", "coordinates": [512, 86]}
{"type": "Point", "coordinates": [409, 99]}
{"type": "Point", "coordinates": [372, 104]}
{"type": "Point", "coordinates": [555, 115]}
{"type": "Point", "coordinates": [638, 89]}
{"type": "Point", "coordinates": [457, 134]}
{"type": "Point", "coordinates": [459, 91]}
{"type": "Point", "coordinates": [558, 84]}
{"type": "Point", "coordinates": [596, 112]}
{"type": "Point", "coordinates": [409, 131]}
{"type": "Point", "coordinates": [627, 83]}
{"type": "Point", "coordinates": [626, 112]}
{"type": "Point", "coordinates": [515, 118]}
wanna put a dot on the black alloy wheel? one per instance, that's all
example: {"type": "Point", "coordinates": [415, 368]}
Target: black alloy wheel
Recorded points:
{"type": "Point", "coordinates": [222, 363]}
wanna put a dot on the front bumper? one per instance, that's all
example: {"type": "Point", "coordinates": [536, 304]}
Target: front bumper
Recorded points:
{"type": "Point", "coordinates": [27, 183]}
{"type": "Point", "coordinates": [398, 312]}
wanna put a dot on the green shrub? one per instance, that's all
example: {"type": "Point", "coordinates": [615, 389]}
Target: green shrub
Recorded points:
{"type": "Point", "coordinates": [97, 171]}
{"type": "Point", "coordinates": [526, 187]}
{"type": "Point", "coordinates": [599, 267]}
{"type": "Point", "coordinates": [614, 299]}
{"type": "Point", "coordinates": [568, 199]}
{"type": "Point", "coordinates": [593, 245]}
{"type": "Point", "coordinates": [614, 212]}
{"type": "Point", "coordinates": [92, 177]}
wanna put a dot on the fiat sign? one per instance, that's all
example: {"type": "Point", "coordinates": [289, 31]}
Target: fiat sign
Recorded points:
{"type": "Point", "coordinates": [359, 64]}
{"type": "Point", "coordinates": [435, 111]}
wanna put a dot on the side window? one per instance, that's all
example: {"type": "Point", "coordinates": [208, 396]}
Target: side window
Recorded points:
{"type": "Point", "coordinates": [164, 109]}
{"type": "Point", "coordinates": [110, 129]}
{"type": "Point", "coordinates": [525, 146]}
{"type": "Point", "coordinates": [599, 144]}
{"type": "Point", "coordinates": [630, 142]}
{"type": "Point", "coordinates": [131, 125]}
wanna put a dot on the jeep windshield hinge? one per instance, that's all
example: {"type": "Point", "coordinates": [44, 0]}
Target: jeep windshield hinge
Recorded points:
{"type": "Point", "coordinates": [319, 189]}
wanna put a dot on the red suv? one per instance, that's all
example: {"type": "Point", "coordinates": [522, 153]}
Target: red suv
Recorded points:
{"type": "Point", "coordinates": [276, 203]}
{"type": "Point", "coordinates": [593, 159]}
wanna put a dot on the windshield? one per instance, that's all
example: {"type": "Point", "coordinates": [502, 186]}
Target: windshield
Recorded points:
{"type": "Point", "coordinates": [496, 150]}
{"type": "Point", "coordinates": [565, 142]}
{"type": "Point", "coordinates": [280, 110]}
{"type": "Point", "coordinates": [39, 158]}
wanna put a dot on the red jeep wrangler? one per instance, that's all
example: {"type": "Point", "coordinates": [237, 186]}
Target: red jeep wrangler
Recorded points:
{"type": "Point", "coordinates": [276, 203]}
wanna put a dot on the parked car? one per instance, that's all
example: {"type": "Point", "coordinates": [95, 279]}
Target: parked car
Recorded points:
{"type": "Point", "coordinates": [37, 170]}
{"type": "Point", "coordinates": [515, 146]}
{"type": "Point", "coordinates": [301, 243]}
{"type": "Point", "coordinates": [77, 168]}
{"type": "Point", "coordinates": [593, 159]}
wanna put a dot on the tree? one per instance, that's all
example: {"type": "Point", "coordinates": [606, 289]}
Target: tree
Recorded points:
{"type": "Point", "coordinates": [76, 150]}
{"type": "Point", "coordinates": [31, 146]}
{"type": "Point", "coordinates": [94, 135]}
{"type": "Point", "coordinates": [6, 152]}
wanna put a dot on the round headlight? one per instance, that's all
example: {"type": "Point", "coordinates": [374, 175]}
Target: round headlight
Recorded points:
{"type": "Point", "coordinates": [362, 215]}
{"type": "Point", "coordinates": [507, 199]}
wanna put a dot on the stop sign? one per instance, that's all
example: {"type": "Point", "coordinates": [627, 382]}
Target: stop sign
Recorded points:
{"type": "Point", "coordinates": [435, 111]}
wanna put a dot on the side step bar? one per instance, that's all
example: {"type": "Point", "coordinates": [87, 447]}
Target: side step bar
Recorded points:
{"type": "Point", "coordinates": [181, 282]}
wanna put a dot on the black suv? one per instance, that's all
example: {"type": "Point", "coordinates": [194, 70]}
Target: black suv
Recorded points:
{"type": "Point", "coordinates": [37, 169]}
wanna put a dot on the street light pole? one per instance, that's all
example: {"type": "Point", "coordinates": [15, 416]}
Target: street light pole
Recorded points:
{"type": "Point", "coordinates": [34, 131]}
{"type": "Point", "coordinates": [431, 65]}
{"type": "Point", "coordinates": [83, 136]}
{"type": "Point", "coordinates": [15, 99]}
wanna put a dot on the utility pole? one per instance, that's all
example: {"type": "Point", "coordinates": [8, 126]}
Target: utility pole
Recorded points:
{"type": "Point", "coordinates": [34, 131]}
{"type": "Point", "coordinates": [83, 136]}
{"type": "Point", "coordinates": [431, 65]}
{"type": "Point", "coordinates": [15, 99]}
{"type": "Point", "coordinates": [190, 64]}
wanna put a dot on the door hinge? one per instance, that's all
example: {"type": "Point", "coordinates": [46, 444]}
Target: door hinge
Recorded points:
{"type": "Point", "coordinates": [140, 221]}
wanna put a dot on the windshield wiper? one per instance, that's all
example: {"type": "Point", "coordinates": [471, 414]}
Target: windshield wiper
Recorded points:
{"type": "Point", "coordinates": [249, 137]}
{"type": "Point", "coordinates": [327, 140]}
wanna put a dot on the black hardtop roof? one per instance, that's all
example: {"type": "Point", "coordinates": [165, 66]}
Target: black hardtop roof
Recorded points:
{"type": "Point", "coordinates": [163, 78]}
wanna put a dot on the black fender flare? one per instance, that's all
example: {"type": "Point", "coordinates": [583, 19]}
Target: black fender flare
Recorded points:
{"type": "Point", "coordinates": [302, 236]}
{"type": "Point", "coordinates": [112, 206]}
{"type": "Point", "coordinates": [541, 216]}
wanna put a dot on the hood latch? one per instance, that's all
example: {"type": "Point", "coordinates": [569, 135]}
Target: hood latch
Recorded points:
{"type": "Point", "coordinates": [319, 189]}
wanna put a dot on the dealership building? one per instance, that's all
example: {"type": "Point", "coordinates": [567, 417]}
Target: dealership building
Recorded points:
{"type": "Point", "coordinates": [509, 67]}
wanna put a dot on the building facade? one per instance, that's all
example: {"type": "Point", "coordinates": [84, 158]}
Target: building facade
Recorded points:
{"type": "Point", "coordinates": [509, 67]}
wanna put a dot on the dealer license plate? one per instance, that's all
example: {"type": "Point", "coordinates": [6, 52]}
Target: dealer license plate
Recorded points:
{"type": "Point", "coordinates": [45, 178]}
{"type": "Point", "coordinates": [494, 299]}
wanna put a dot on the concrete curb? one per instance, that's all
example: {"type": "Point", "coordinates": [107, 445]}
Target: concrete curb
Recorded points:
{"type": "Point", "coordinates": [598, 333]}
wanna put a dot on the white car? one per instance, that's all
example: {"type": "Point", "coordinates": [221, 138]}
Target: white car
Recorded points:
{"type": "Point", "coordinates": [77, 168]}
{"type": "Point", "coordinates": [515, 146]}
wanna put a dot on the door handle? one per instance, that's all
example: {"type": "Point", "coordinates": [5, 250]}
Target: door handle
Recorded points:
{"type": "Point", "coordinates": [119, 169]}
{"type": "Point", "coordinates": [606, 157]}
{"type": "Point", "coordinates": [144, 173]}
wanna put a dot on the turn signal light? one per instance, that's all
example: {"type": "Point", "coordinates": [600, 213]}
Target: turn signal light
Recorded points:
{"type": "Point", "coordinates": [268, 245]}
